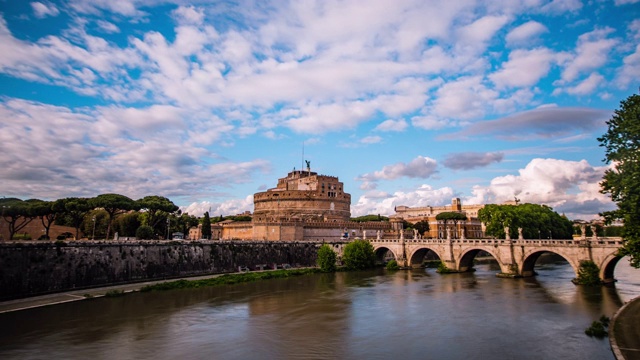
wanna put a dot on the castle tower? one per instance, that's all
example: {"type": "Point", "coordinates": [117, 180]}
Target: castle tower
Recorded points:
{"type": "Point", "coordinates": [303, 195]}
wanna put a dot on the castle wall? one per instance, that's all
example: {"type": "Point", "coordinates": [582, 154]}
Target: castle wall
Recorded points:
{"type": "Point", "coordinates": [34, 268]}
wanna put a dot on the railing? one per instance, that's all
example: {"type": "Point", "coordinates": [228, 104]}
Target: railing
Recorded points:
{"type": "Point", "coordinates": [518, 242]}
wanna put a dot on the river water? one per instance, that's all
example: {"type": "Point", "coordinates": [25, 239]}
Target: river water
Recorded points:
{"type": "Point", "coordinates": [415, 314]}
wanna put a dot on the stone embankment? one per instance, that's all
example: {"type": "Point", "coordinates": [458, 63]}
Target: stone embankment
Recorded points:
{"type": "Point", "coordinates": [35, 268]}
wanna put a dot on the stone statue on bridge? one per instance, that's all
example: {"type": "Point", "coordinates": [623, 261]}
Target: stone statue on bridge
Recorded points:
{"type": "Point", "coordinates": [507, 235]}
{"type": "Point", "coordinates": [594, 233]}
{"type": "Point", "coordinates": [415, 234]}
{"type": "Point", "coordinates": [462, 234]}
{"type": "Point", "coordinates": [448, 234]}
{"type": "Point", "coordinates": [401, 234]}
{"type": "Point", "coordinates": [520, 236]}
{"type": "Point", "coordinates": [364, 234]}
{"type": "Point", "coordinates": [378, 235]}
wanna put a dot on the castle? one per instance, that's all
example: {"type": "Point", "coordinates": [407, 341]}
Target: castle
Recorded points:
{"type": "Point", "coordinates": [305, 206]}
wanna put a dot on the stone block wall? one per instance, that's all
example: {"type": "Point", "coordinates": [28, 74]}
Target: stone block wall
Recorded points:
{"type": "Point", "coordinates": [28, 269]}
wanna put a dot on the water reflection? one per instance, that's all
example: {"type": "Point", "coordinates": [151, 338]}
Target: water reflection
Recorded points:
{"type": "Point", "coordinates": [376, 314]}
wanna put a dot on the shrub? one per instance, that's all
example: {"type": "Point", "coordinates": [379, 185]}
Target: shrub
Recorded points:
{"type": "Point", "coordinates": [326, 258]}
{"type": "Point", "coordinates": [114, 293]}
{"type": "Point", "coordinates": [443, 269]}
{"type": "Point", "coordinates": [392, 265]}
{"type": "Point", "coordinates": [144, 232]}
{"type": "Point", "coordinates": [359, 255]}
{"type": "Point", "coordinates": [588, 274]}
{"type": "Point", "coordinates": [598, 328]}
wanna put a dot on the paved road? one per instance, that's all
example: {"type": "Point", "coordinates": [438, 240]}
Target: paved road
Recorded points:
{"type": "Point", "coordinates": [58, 298]}
{"type": "Point", "coordinates": [624, 333]}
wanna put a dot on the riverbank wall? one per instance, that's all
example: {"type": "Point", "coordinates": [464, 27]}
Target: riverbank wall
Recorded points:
{"type": "Point", "coordinates": [35, 268]}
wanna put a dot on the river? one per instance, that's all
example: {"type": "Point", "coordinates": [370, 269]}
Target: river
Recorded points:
{"type": "Point", "coordinates": [415, 314]}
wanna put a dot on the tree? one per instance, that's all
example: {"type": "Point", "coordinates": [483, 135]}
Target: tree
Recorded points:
{"type": "Point", "coordinates": [128, 224]}
{"type": "Point", "coordinates": [451, 216]}
{"type": "Point", "coordinates": [47, 212]}
{"type": "Point", "coordinates": [156, 209]}
{"type": "Point", "coordinates": [367, 218]}
{"type": "Point", "coordinates": [144, 232]}
{"type": "Point", "coordinates": [359, 255]}
{"type": "Point", "coordinates": [95, 224]}
{"type": "Point", "coordinates": [326, 258]}
{"type": "Point", "coordinates": [422, 227]}
{"type": "Point", "coordinates": [75, 209]}
{"type": "Point", "coordinates": [17, 214]}
{"type": "Point", "coordinates": [114, 205]}
{"type": "Point", "coordinates": [206, 226]}
{"type": "Point", "coordinates": [535, 220]}
{"type": "Point", "coordinates": [622, 182]}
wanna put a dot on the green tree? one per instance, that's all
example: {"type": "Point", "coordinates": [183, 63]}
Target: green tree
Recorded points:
{"type": "Point", "coordinates": [452, 216]}
{"type": "Point", "coordinates": [17, 214]}
{"type": "Point", "coordinates": [367, 218]}
{"type": "Point", "coordinates": [144, 232]}
{"type": "Point", "coordinates": [156, 210]}
{"type": "Point", "coordinates": [114, 205]}
{"type": "Point", "coordinates": [128, 224]}
{"type": "Point", "coordinates": [359, 255]}
{"type": "Point", "coordinates": [535, 220]}
{"type": "Point", "coordinates": [96, 229]}
{"type": "Point", "coordinates": [47, 212]}
{"type": "Point", "coordinates": [422, 227]}
{"type": "Point", "coordinates": [206, 226]}
{"type": "Point", "coordinates": [326, 258]}
{"type": "Point", "coordinates": [75, 210]}
{"type": "Point", "coordinates": [622, 181]}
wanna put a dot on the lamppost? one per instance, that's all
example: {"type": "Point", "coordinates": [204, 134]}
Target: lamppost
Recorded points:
{"type": "Point", "coordinates": [539, 236]}
{"type": "Point", "coordinates": [2, 223]}
{"type": "Point", "coordinates": [93, 235]}
{"type": "Point", "coordinates": [550, 238]}
{"type": "Point", "coordinates": [168, 226]}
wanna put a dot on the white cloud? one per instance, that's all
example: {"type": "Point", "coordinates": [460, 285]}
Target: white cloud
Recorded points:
{"type": "Point", "coordinates": [561, 6]}
{"type": "Point", "coordinates": [189, 15]}
{"type": "Point", "coordinates": [587, 86]}
{"type": "Point", "coordinates": [478, 33]}
{"type": "Point", "coordinates": [392, 125]}
{"type": "Point", "coordinates": [592, 51]}
{"type": "Point", "coordinates": [420, 167]}
{"type": "Point", "coordinates": [107, 27]}
{"type": "Point", "coordinates": [226, 208]}
{"type": "Point", "coordinates": [524, 33]}
{"type": "Point", "coordinates": [561, 184]}
{"type": "Point", "coordinates": [371, 139]}
{"type": "Point", "coordinates": [630, 70]}
{"type": "Point", "coordinates": [524, 68]}
{"type": "Point", "coordinates": [42, 10]}
{"type": "Point", "coordinates": [376, 202]}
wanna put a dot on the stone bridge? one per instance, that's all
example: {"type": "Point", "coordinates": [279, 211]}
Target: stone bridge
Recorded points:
{"type": "Point", "coordinates": [515, 257]}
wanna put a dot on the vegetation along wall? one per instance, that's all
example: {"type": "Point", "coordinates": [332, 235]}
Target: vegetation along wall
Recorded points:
{"type": "Point", "coordinates": [29, 269]}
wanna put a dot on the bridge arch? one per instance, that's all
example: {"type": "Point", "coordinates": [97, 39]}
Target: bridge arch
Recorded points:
{"type": "Point", "coordinates": [530, 258]}
{"type": "Point", "coordinates": [464, 262]}
{"type": "Point", "coordinates": [381, 253]}
{"type": "Point", "coordinates": [608, 266]}
{"type": "Point", "coordinates": [416, 257]}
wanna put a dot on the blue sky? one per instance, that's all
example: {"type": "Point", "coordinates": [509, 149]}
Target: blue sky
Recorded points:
{"type": "Point", "coordinates": [407, 102]}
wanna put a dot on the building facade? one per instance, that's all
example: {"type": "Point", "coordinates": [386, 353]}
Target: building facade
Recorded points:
{"type": "Point", "coordinates": [471, 228]}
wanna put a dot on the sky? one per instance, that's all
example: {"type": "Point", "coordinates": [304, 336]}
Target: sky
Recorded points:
{"type": "Point", "coordinates": [408, 102]}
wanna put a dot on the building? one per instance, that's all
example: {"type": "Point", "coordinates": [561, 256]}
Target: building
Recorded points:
{"type": "Point", "coordinates": [304, 206]}
{"type": "Point", "coordinates": [471, 228]}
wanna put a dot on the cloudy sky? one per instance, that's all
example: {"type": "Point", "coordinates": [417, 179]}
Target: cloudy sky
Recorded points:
{"type": "Point", "coordinates": [408, 102]}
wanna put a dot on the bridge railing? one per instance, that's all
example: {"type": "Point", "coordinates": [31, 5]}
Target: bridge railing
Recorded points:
{"type": "Point", "coordinates": [525, 242]}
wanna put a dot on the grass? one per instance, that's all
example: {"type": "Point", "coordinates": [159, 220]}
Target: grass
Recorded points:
{"type": "Point", "coordinates": [228, 279]}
